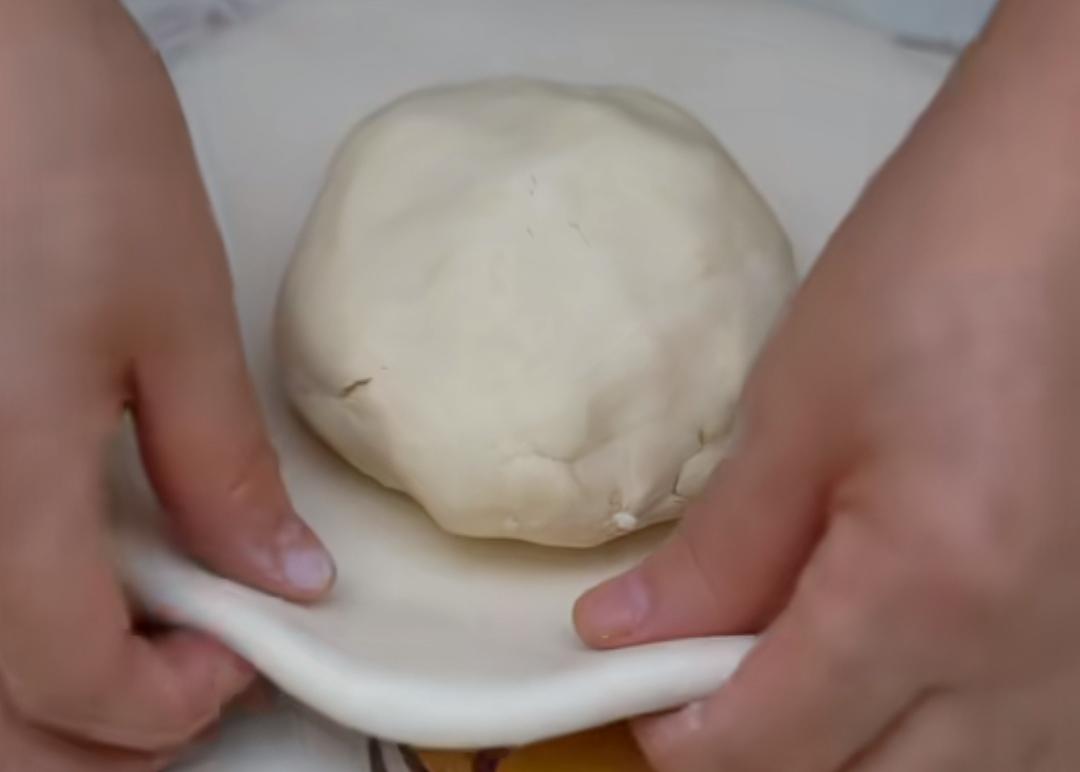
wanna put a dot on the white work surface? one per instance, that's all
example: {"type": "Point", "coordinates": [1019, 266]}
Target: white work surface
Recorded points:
{"type": "Point", "coordinates": [940, 22]}
{"type": "Point", "coordinates": [179, 24]}
{"type": "Point", "coordinates": [808, 106]}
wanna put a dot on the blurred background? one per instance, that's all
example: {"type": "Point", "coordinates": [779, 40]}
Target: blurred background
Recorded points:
{"type": "Point", "coordinates": [175, 24]}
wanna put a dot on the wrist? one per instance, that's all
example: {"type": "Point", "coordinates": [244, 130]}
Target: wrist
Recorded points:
{"type": "Point", "coordinates": [996, 156]}
{"type": "Point", "coordinates": [1025, 67]}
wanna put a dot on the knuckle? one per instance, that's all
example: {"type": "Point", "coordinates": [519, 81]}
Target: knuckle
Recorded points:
{"type": "Point", "coordinates": [969, 572]}
{"type": "Point", "coordinates": [962, 576]}
{"type": "Point", "coordinates": [860, 605]}
{"type": "Point", "coordinates": [243, 489]}
{"type": "Point", "coordinates": [957, 595]}
{"type": "Point", "coordinates": [848, 597]}
{"type": "Point", "coordinates": [255, 471]}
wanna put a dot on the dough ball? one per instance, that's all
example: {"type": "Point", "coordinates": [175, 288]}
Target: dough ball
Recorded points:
{"type": "Point", "coordinates": [531, 306]}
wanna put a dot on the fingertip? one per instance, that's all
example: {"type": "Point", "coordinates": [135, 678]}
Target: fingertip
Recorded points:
{"type": "Point", "coordinates": [216, 472]}
{"type": "Point", "coordinates": [612, 614]}
{"type": "Point", "coordinates": [232, 677]}
{"type": "Point", "coordinates": [304, 563]}
{"type": "Point", "coordinates": [214, 673]}
{"type": "Point", "coordinates": [258, 699]}
{"type": "Point", "coordinates": [280, 555]}
{"type": "Point", "coordinates": [665, 738]}
{"type": "Point", "coordinates": [177, 685]}
{"type": "Point", "coordinates": [665, 598]}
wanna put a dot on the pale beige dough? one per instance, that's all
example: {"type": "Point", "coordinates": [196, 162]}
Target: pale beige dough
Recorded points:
{"type": "Point", "coordinates": [532, 306]}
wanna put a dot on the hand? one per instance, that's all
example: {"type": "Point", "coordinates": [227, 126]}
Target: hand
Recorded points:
{"type": "Point", "coordinates": [902, 511]}
{"type": "Point", "coordinates": [115, 295]}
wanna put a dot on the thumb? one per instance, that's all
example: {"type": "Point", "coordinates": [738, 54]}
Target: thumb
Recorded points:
{"type": "Point", "coordinates": [730, 566]}
{"type": "Point", "coordinates": [211, 462]}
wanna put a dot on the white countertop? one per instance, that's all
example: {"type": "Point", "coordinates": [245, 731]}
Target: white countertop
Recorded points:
{"type": "Point", "coordinates": [177, 24]}
{"type": "Point", "coordinates": [950, 22]}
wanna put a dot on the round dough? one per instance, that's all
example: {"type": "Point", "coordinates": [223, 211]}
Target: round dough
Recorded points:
{"type": "Point", "coordinates": [532, 306]}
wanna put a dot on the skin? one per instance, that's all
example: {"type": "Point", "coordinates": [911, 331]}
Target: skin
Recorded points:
{"type": "Point", "coordinates": [900, 515]}
{"type": "Point", "coordinates": [114, 297]}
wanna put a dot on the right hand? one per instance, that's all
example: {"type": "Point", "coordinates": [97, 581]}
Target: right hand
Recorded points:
{"type": "Point", "coordinates": [899, 515]}
{"type": "Point", "coordinates": [115, 295]}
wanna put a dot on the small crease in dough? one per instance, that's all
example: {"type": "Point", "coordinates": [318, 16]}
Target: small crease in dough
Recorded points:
{"type": "Point", "coordinates": [355, 386]}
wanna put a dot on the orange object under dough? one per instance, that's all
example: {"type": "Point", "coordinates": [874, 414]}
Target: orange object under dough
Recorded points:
{"type": "Point", "coordinates": [604, 750]}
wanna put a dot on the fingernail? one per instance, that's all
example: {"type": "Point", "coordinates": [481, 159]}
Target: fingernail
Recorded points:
{"type": "Point", "coordinates": [614, 611]}
{"type": "Point", "coordinates": [671, 730]}
{"type": "Point", "coordinates": [305, 563]}
{"type": "Point", "coordinates": [308, 568]}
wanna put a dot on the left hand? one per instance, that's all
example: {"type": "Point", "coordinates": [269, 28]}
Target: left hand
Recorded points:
{"type": "Point", "coordinates": [115, 297]}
